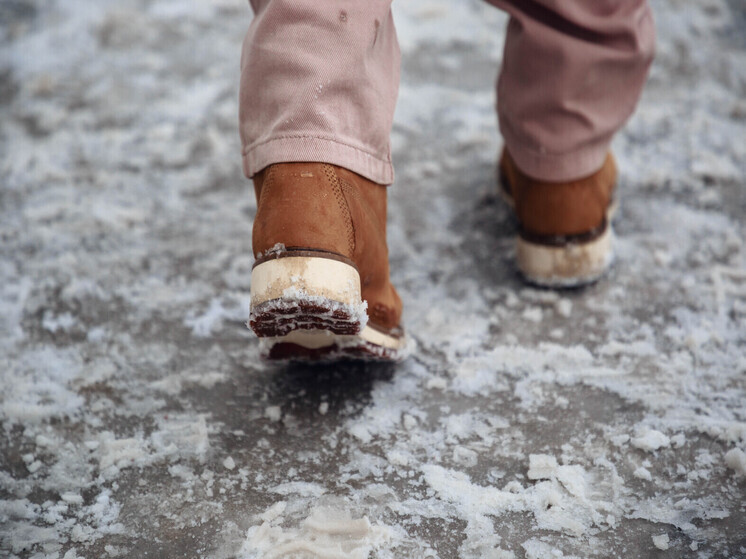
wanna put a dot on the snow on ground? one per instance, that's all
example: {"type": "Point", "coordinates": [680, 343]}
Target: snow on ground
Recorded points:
{"type": "Point", "coordinates": [137, 419]}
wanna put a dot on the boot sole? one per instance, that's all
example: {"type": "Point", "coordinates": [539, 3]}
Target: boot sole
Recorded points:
{"type": "Point", "coordinates": [321, 345]}
{"type": "Point", "coordinates": [307, 305]}
{"type": "Point", "coordinates": [570, 264]}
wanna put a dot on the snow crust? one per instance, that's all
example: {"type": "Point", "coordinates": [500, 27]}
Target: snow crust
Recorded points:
{"type": "Point", "coordinates": [293, 296]}
{"type": "Point", "coordinates": [327, 532]}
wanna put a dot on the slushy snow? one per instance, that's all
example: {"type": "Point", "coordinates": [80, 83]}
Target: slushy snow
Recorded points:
{"type": "Point", "coordinates": [138, 418]}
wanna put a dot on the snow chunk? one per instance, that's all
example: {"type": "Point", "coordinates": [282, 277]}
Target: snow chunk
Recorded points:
{"type": "Point", "coordinates": [273, 512]}
{"type": "Point", "coordinates": [119, 452]}
{"type": "Point", "coordinates": [736, 461]}
{"type": "Point", "coordinates": [273, 413]}
{"type": "Point", "coordinates": [276, 250]}
{"type": "Point", "coordinates": [52, 323]}
{"type": "Point", "coordinates": [541, 466]}
{"type": "Point", "coordinates": [302, 488]}
{"type": "Point", "coordinates": [464, 456]}
{"type": "Point", "coordinates": [409, 422]}
{"type": "Point", "coordinates": [537, 549]}
{"type": "Point", "coordinates": [72, 498]}
{"type": "Point", "coordinates": [182, 435]}
{"type": "Point", "coordinates": [661, 541]}
{"type": "Point", "coordinates": [397, 458]}
{"type": "Point", "coordinates": [564, 307]}
{"type": "Point", "coordinates": [326, 532]}
{"type": "Point", "coordinates": [533, 314]}
{"type": "Point", "coordinates": [642, 473]}
{"type": "Point", "coordinates": [34, 466]}
{"type": "Point", "coordinates": [228, 463]}
{"type": "Point", "coordinates": [437, 383]}
{"type": "Point", "coordinates": [650, 440]}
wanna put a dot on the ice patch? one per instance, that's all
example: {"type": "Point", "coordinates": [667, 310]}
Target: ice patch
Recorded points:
{"type": "Point", "coordinates": [561, 501]}
{"type": "Point", "coordinates": [211, 321]}
{"type": "Point", "coordinates": [40, 386]}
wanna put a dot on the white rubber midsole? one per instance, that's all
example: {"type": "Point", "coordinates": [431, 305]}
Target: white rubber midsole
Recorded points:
{"type": "Point", "coordinates": [315, 339]}
{"type": "Point", "coordinates": [571, 264]}
{"type": "Point", "coordinates": [305, 276]}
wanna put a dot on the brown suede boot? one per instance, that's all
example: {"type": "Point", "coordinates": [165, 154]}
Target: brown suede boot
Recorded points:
{"type": "Point", "coordinates": [565, 234]}
{"type": "Point", "coordinates": [320, 285]}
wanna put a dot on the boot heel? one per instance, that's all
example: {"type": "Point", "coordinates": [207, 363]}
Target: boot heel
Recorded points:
{"type": "Point", "coordinates": [570, 264]}
{"type": "Point", "coordinates": [301, 291]}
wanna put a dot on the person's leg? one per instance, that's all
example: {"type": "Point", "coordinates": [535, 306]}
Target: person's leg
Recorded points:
{"type": "Point", "coordinates": [572, 74]}
{"type": "Point", "coordinates": [319, 82]}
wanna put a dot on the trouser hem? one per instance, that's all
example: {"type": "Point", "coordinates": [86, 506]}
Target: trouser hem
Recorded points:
{"type": "Point", "coordinates": [314, 149]}
{"type": "Point", "coordinates": [557, 167]}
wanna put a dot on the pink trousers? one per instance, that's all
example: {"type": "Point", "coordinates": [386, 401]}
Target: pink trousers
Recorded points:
{"type": "Point", "coordinates": [319, 81]}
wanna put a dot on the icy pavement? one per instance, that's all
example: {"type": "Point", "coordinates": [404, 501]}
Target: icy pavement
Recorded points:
{"type": "Point", "coordinates": [138, 421]}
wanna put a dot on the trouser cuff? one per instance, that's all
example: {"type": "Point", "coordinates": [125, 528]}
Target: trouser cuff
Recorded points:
{"type": "Point", "coordinates": [558, 167]}
{"type": "Point", "coordinates": [318, 150]}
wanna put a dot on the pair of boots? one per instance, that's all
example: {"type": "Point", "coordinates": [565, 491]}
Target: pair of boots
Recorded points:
{"type": "Point", "coordinates": [320, 286]}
